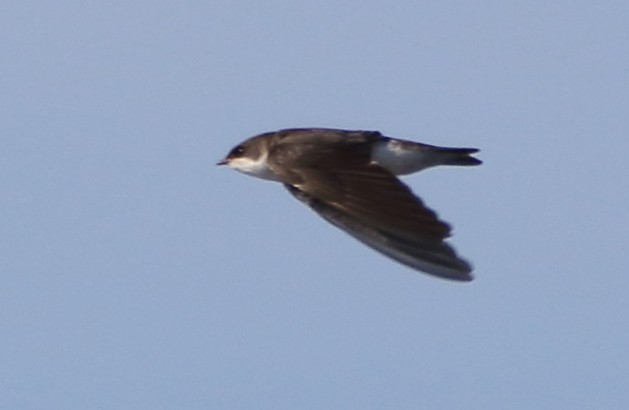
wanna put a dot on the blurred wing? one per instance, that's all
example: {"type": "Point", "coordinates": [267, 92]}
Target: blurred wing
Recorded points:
{"type": "Point", "coordinates": [375, 207]}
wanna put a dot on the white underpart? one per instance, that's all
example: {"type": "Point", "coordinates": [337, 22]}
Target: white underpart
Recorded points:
{"type": "Point", "coordinates": [256, 168]}
{"type": "Point", "coordinates": [398, 159]}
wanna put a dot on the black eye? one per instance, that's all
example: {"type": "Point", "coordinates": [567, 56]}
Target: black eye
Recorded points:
{"type": "Point", "coordinates": [237, 152]}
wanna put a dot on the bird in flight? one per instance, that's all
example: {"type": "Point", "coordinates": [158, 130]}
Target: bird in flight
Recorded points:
{"type": "Point", "coordinates": [350, 179]}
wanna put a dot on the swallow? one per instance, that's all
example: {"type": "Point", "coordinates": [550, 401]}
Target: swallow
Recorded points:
{"type": "Point", "coordinates": [350, 178]}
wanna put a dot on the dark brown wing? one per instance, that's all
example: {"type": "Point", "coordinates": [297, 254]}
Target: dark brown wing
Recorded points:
{"type": "Point", "coordinates": [371, 204]}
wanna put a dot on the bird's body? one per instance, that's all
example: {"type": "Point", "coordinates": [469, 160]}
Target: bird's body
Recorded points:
{"type": "Point", "coordinates": [349, 178]}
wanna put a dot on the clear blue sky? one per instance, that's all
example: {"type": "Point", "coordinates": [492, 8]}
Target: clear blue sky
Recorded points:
{"type": "Point", "coordinates": [136, 274]}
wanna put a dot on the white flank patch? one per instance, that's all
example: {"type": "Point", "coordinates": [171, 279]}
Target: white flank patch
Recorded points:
{"type": "Point", "coordinates": [398, 160]}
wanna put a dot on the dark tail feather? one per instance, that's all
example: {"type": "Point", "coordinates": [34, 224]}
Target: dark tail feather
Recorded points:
{"type": "Point", "coordinates": [459, 156]}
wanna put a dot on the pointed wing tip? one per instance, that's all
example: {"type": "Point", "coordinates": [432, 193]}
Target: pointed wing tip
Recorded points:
{"type": "Point", "coordinates": [467, 277]}
{"type": "Point", "coordinates": [457, 270]}
{"type": "Point", "coordinates": [456, 276]}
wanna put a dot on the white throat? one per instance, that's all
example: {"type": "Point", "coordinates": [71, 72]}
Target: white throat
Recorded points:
{"type": "Point", "coordinates": [258, 168]}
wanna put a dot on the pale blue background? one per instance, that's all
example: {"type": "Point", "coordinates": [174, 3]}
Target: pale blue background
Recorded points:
{"type": "Point", "coordinates": [134, 274]}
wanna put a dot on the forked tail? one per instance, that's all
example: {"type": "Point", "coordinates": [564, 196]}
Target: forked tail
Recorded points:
{"type": "Point", "coordinates": [459, 156]}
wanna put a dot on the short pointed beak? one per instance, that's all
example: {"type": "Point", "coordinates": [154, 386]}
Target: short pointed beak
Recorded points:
{"type": "Point", "coordinates": [222, 162]}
